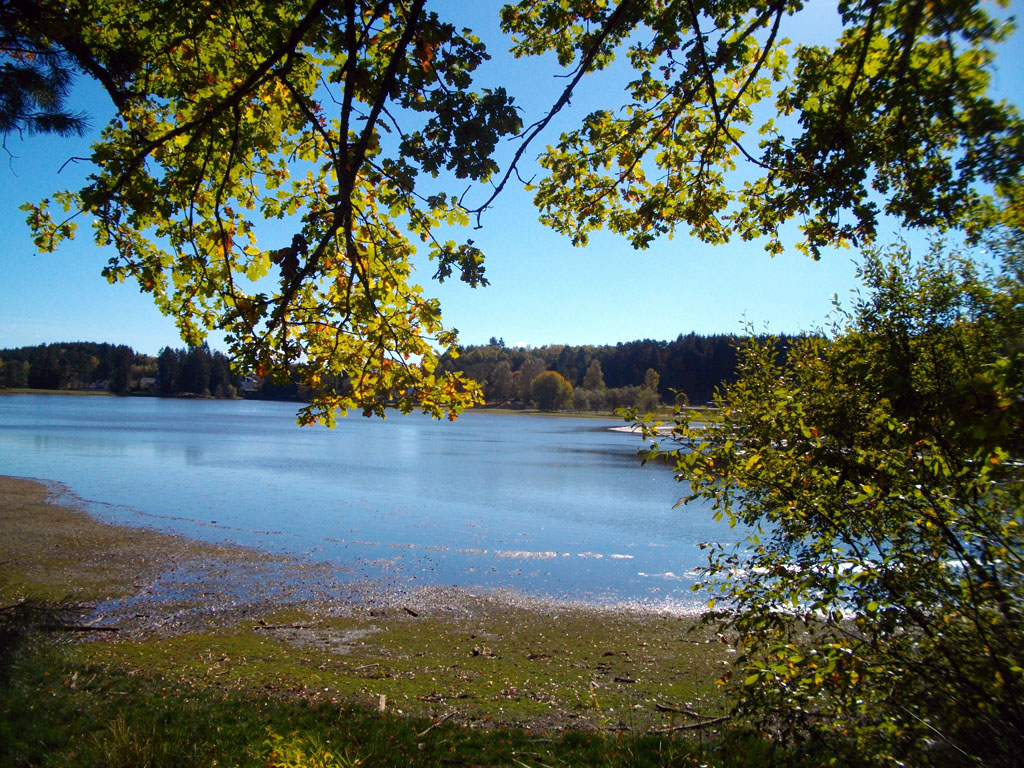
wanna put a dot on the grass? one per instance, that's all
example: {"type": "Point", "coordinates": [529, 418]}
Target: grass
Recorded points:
{"type": "Point", "coordinates": [63, 710]}
{"type": "Point", "coordinates": [55, 552]}
{"type": "Point", "coordinates": [521, 667]}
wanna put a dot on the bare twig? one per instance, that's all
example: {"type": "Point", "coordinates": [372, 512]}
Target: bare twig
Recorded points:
{"type": "Point", "coordinates": [527, 137]}
{"type": "Point", "coordinates": [84, 628]}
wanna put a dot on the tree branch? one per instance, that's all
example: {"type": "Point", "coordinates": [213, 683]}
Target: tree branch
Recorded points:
{"type": "Point", "coordinates": [534, 130]}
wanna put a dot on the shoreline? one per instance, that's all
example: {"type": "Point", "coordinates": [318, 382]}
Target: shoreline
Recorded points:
{"type": "Point", "coordinates": [455, 557]}
{"type": "Point", "coordinates": [496, 409]}
{"type": "Point", "coordinates": [124, 568]}
{"type": "Point", "coordinates": [165, 607]}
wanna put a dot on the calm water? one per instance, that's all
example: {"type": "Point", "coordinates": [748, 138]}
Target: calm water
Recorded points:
{"type": "Point", "coordinates": [554, 507]}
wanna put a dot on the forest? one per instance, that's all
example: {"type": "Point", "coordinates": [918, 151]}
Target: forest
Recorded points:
{"type": "Point", "coordinates": [642, 373]}
{"type": "Point", "coordinates": [82, 365]}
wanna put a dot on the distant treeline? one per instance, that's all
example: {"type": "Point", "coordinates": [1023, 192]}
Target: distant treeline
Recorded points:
{"type": "Point", "coordinates": [74, 365]}
{"type": "Point", "coordinates": [83, 365]}
{"type": "Point", "coordinates": [635, 373]}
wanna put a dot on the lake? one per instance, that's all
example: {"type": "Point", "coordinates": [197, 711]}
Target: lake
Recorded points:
{"type": "Point", "coordinates": [551, 507]}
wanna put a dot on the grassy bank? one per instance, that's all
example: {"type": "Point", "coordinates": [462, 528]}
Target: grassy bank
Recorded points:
{"type": "Point", "coordinates": [214, 679]}
{"type": "Point", "coordinates": [82, 392]}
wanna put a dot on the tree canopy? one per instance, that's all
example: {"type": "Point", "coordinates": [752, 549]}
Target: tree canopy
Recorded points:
{"type": "Point", "coordinates": [35, 76]}
{"type": "Point", "coordinates": [892, 117]}
{"type": "Point", "coordinates": [329, 114]}
{"type": "Point", "coordinates": [323, 115]}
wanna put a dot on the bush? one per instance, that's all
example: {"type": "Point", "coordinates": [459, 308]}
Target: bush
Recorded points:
{"type": "Point", "coordinates": [880, 596]}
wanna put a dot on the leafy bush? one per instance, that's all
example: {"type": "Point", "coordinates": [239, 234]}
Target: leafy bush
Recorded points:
{"type": "Point", "coordinates": [879, 597]}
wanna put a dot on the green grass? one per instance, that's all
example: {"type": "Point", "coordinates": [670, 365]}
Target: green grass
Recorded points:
{"type": "Point", "coordinates": [62, 709]}
{"type": "Point", "coordinates": [517, 667]}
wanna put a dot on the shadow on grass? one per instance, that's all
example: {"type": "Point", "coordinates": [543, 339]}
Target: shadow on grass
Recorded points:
{"type": "Point", "coordinates": [57, 711]}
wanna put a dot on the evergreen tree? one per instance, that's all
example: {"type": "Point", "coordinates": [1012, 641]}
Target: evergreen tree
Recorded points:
{"type": "Point", "coordinates": [194, 376]}
{"type": "Point", "coordinates": [121, 370]}
{"type": "Point", "coordinates": [167, 371]}
{"type": "Point", "coordinates": [500, 383]}
{"type": "Point", "coordinates": [220, 376]}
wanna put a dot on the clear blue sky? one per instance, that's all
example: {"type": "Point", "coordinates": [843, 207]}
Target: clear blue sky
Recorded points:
{"type": "Point", "coordinates": [543, 291]}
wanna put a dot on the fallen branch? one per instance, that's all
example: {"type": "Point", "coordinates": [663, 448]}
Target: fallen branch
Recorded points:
{"type": "Point", "coordinates": [692, 726]}
{"type": "Point", "coordinates": [535, 757]}
{"type": "Point", "coordinates": [432, 726]}
{"type": "Point", "coordinates": [675, 710]}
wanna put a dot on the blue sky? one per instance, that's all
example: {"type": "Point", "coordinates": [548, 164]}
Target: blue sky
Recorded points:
{"type": "Point", "coordinates": [542, 291]}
